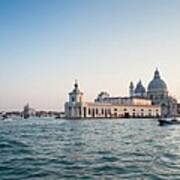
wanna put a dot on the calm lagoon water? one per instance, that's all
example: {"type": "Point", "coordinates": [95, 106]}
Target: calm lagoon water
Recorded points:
{"type": "Point", "coordinates": [89, 149]}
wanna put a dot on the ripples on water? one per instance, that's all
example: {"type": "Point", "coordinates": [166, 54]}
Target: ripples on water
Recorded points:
{"type": "Point", "coordinates": [90, 149]}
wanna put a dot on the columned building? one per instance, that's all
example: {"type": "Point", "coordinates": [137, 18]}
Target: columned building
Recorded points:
{"type": "Point", "coordinates": [153, 102]}
{"type": "Point", "coordinates": [109, 107]}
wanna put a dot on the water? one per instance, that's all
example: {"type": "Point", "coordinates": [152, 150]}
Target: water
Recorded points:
{"type": "Point", "coordinates": [90, 149]}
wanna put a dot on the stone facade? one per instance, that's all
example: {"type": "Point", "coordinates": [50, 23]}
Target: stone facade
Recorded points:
{"type": "Point", "coordinates": [153, 102]}
{"type": "Point", "coordinates": [109, 107]}
{"type": "Point", "coordinates": [157, 91]}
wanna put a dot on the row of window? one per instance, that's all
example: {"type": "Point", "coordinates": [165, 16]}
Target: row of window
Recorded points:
{"type": "Point", "coordinates": [96, 111]}
{"type": "Point", "coordinates": [93, 112]}
{"type": "Point", "coordinates": [108, 111]}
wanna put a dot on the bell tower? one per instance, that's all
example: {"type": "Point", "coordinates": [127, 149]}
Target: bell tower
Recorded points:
{"type": "Point", "coordinates": [131, 89]}
{"type": "Point", "coordinates": [76, 95]}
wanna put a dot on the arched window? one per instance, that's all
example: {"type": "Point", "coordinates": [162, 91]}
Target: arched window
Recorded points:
{"type": "Point", "coordinates": [93, 112]}
{"type": "Point", "coordinates": [89, 111]}
{"type": "Point", "coordinates": [73, 99]}
{"type": "Point", "coordinates": [102, 111]}
{"type": "Point", "coordinates": [97, 111]}
{"type": "Point", "coordinates": [80, 112]}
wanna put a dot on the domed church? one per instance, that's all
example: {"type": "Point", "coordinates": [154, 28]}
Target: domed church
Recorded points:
{"type": "Point", "coordinates": [157, 87]}
{"type": "Point", "coordinates": [157, 91]}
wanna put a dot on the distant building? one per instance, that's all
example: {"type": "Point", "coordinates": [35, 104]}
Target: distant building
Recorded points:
{"type": "Point", "coordinates": [125, 100]}
{"type": "Point", "coordinates": [109, 107]}
{"type": "Point", "coordinates": [28, 111]}
{"type": "Point", "coordinates": [153, 102]}
{"type": "Point", "coordinates": [157, 91]}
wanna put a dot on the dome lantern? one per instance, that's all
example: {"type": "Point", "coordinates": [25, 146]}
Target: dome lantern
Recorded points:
{"type": "Point", "coordinates": [156, 74]}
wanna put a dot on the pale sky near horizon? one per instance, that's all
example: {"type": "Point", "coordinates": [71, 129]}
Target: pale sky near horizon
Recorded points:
{"type": "Point", "coordinates": [46, 44]}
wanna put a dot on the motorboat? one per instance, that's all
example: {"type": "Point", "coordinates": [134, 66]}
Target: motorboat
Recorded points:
{"type": "Point", "coordinates": [3, 117]}
{"type": "Point", "coordinates": [173, 121]}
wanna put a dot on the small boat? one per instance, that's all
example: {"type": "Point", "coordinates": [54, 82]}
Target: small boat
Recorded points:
{"type": "Point", "coordinates": [4, 117]}
{"type": "Point", "coordinates": [57, 117]}
{"type": "Point", "coordinates": [163, 122]}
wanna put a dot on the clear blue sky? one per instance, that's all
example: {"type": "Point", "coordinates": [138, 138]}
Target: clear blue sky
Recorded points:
{"type": "Point", "coordinates": [46, 44]}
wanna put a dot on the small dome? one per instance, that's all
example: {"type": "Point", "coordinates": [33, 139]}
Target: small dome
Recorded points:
{"type": "Point", "coordinates": [140, 88]}
{"type": "Point", "coordinates": [157, 84]}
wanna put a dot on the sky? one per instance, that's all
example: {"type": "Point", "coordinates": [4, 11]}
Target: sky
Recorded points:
{"type": "Point", "coordinates": [46, 44]}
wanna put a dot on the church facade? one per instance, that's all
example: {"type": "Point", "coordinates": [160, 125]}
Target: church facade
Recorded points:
{"type": "Point", "coordinates": [157, 92]}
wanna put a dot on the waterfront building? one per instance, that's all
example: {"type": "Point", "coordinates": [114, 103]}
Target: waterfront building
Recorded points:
{"type": "Point", "coordinates": [105, 106]}
{"type": "Point", "coordinates": [153, 102]}
{"type": "Point", "coordinates": [157, 91]}
{"type": "Point", "coordinates": [28, 111]}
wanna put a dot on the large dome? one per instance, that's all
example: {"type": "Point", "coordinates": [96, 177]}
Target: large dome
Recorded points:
{"type": "Point", "coordinates": [157, 84]}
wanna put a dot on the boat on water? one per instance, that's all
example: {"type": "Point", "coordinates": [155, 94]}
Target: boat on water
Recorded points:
{"type": "Point", "coordinates": [172, 121]}
{"type": "Point", "coordinates": [4, 117]}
